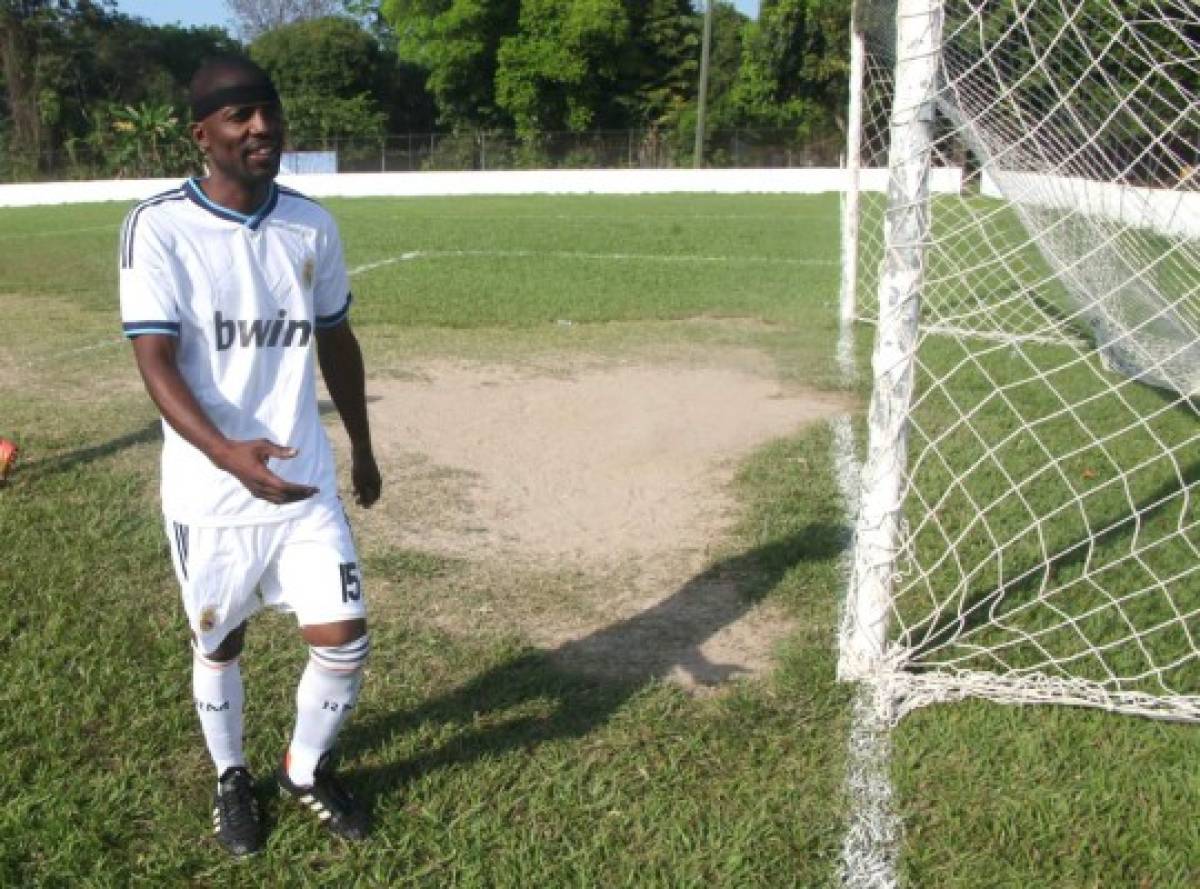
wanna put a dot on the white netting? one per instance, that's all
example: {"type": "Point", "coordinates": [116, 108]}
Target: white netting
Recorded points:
{"type": "Point", "coordinates": [1041, 537]}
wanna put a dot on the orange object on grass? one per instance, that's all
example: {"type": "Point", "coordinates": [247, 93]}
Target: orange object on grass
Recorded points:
{"type": "Point", "coordinates": [8, 456]}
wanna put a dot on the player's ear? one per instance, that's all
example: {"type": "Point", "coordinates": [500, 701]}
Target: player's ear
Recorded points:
{"type": "Point", "coordinates": [200, 135]}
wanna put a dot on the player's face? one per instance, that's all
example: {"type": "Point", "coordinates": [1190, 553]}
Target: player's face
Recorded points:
{"type": "Point", "coordinates": [243, 142]}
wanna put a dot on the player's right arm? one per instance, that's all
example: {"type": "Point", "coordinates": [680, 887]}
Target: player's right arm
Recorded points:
{"type": "Point", "coordinates": [152, 279]}
{"type": "Point", "coordinates": [245, 460]}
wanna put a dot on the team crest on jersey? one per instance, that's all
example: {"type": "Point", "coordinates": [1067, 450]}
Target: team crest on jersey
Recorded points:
{"type": "Point", "coordinates": [310, 272]}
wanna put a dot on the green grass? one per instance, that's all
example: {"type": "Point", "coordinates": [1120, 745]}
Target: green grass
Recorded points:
{"type": "Point", "coordinates": [487, 764]}
{"type": "Point", "coordinates": [1053, 528]}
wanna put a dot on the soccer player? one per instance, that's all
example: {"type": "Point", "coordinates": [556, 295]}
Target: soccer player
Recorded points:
{"type": "Point", "coordinates": [228, 285]}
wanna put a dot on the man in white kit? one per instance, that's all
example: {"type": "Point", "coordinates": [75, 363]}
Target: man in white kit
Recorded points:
{"type": "Point", "coordinates": [228, 284]}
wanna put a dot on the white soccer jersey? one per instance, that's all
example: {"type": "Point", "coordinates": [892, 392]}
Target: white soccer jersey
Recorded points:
{"type": "Point", "coordinates": [244, 295]}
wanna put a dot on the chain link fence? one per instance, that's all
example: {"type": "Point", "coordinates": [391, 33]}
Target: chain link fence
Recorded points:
{"type": "Point", "coordinates": [480, 150]}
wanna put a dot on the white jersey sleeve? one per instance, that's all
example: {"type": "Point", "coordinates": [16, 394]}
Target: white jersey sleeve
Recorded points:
{"type": "Point", "coordinates": [149, 289]}
{"type": "Point", "coordinates": [331, 289]}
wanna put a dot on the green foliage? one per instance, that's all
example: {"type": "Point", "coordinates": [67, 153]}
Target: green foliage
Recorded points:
{"type": "Point", "coordinates": [66, 63]}
{"type": "Point", "coordinates": [457, 42]}
{"type": "Point", "coordinates": [558, 72]}
{"type": "Point", "coordinates": [143, 140]}
{"type": "Point", "coordinates": [326, 56]}
{"type": "Point", "coordinates": [662, 60]}
{"type": "Point", "coordinates": [328, 71]}
{"type": "Point", "coordinates": [1139, 82]}
{"type": "Point", "coordinates": [314, 119]}
{"type": "Point", "coordinates": [794, 67]}
{"type": "Point", "coordinates": [537, 66]}
{"type": "Point", "coordinates": [574, 65]}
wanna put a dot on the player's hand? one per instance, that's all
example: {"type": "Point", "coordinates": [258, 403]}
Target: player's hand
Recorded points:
{"type": "Point", "coordinates": [364, 475]}
{"type": "Point", "coordinates": [247, 462]}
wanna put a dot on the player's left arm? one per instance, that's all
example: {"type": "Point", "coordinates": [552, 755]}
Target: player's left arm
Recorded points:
{"type": "Point", "coordinates": [341, 362]}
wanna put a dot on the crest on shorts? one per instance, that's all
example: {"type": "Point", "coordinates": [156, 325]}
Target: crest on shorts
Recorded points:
{"type": "Point", "coordinates": [208, 619]}
{"type": "Point", "coordinates": [309, 272]}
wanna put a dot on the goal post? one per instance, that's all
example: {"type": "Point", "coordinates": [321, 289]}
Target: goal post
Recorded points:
{"type": "Point", "coordinates": [1029, 519]}
{"type": "Point", "coordinates": [906, 230]}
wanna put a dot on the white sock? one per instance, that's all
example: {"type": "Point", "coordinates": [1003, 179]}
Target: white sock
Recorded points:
{"type": "Point", "coordinates": [325, 696]}
{"type": "Point", "coordinates": [217, 690]}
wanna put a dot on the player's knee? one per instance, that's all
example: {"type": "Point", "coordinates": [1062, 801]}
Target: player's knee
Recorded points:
{"type": "Point", "coordinates": [336, 633]}
{"type": "Point", "coordinates": [342, 659]}
{"type": "Point", "coordinates": [229, 649]}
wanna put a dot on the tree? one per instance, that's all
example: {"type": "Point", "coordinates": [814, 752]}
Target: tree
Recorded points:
{"type": "Point", "coordinates": [725, 59]}
{"type": "Point", "coordinates": [315, 120]}
{"type": "Point", "coordinates": [65, 64]}
{"type": "Point", "coordinates": [36, 52]}
{"type": "Point", "coordinates": [1128, 67]}
{"type": "Point", "coordinates": [329, 72]}
{"type": "Point", "coordinates": [325, 56]}
{"type": "Point", "coordinates": [254, 18]}
{"type": "Point", "coordinates": [662, 61]}
{"type": "Point", "coordinates": [456, 42]}
{"type": "Point", "coordinates": [143, 140]}
{"type": "Point", "coordinates": [794, 67]}
{"type": "Point", "coordinates": [560, 70]}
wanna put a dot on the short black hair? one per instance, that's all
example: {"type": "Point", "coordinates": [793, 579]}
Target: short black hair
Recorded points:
{"type": "Point", "coordinates": [220, 76]}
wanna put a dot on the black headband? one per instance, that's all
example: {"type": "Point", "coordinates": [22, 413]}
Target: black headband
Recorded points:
{"type": "Point", "coordinates": [259, 93]}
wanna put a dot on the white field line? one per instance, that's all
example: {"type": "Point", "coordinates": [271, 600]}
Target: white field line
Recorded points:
{"type": "Point", "coordinates": [845, 352]}
{"type": "Point", "coordinates": [366, 267]}
{"type": "Point", "coordinates": [110, 343]}
{"type": "Point", "coordinates": [873, 835]}
{"type": "Point", "coordinates": [600, 217]}
{"type": "Point", "coordinates": [504, 254]}
{"type": "Point", "coordinates": [567, 254]}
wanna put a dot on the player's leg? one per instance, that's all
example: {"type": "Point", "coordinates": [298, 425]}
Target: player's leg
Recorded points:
{"type": "Point", "coordinates": [219, 696]}
{"type": "Point", "coordinates": [217, 689]}
{"type": "Point", "coordinates": [316, 576]}
{"type": "Point", "coordinates": [216, 571]}
{"type": "Point", "coordinates": [327, 692]}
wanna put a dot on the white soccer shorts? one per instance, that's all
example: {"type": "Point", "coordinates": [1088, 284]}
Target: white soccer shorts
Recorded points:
{"type": "Point", "coordinates": [305, 565]}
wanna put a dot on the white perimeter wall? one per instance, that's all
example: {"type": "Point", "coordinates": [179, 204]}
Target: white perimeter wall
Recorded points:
{"type": "Point", "coordinates": [1156, 209]}
{"type": "Point", "coordinates": [789, 181]}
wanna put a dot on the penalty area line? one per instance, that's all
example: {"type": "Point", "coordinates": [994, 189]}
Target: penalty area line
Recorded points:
{"type": "Point", "coordinates": [566, 254]}
{"type": "Point", "coordinates": [116, 341]}
{"type": "Point", "coordinates": [505, 254]}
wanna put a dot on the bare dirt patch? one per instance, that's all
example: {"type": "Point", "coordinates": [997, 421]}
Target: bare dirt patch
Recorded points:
{"type": "Point", "coordinates": [619, 473]}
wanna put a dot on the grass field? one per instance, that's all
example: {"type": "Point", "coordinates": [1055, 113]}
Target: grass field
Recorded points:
{"type": "Point", "coordinates": [485, 762]}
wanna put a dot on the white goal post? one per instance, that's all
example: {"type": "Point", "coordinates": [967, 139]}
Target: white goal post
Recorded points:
{"type": "Point", "coordinates": [1029, 520]}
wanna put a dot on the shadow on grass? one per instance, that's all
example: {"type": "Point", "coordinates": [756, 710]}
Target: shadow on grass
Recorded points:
{"type": "Point", "coordinates": [69, 460]}
{"type": "Point", "coordinates": [571, 703]}
{"type": "Point", "coordinates": [65, 462]}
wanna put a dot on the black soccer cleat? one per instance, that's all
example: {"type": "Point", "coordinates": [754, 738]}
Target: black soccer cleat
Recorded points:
{"type": "Point", "coordinates": [332, 803]}
{"type": "Point", "coordinates": [236, 820]}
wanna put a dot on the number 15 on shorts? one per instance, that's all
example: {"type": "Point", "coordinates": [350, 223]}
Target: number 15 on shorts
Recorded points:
{"type": "Point", "coordinates": [351, 582]}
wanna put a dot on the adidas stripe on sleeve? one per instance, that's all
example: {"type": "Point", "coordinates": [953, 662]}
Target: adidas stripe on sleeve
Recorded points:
{"type": "Point", "coordinates": [149, 290]}
{"type": "Point", "coordinates": [331, 288]}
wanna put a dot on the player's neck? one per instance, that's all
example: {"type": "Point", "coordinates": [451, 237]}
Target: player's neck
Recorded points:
{"type": "Point", "coordinates": [234, 195]}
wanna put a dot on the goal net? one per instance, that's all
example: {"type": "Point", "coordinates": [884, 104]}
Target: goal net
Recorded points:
{"type": "Point", "coordinates": [1028, 251]}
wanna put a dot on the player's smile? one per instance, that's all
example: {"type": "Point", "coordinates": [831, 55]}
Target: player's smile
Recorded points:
{"type": "Point", "coordinates": [261, 152]}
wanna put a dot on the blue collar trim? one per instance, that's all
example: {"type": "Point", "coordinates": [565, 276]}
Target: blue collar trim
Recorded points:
{"type": "Point", "coordinates": [253, 220]}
